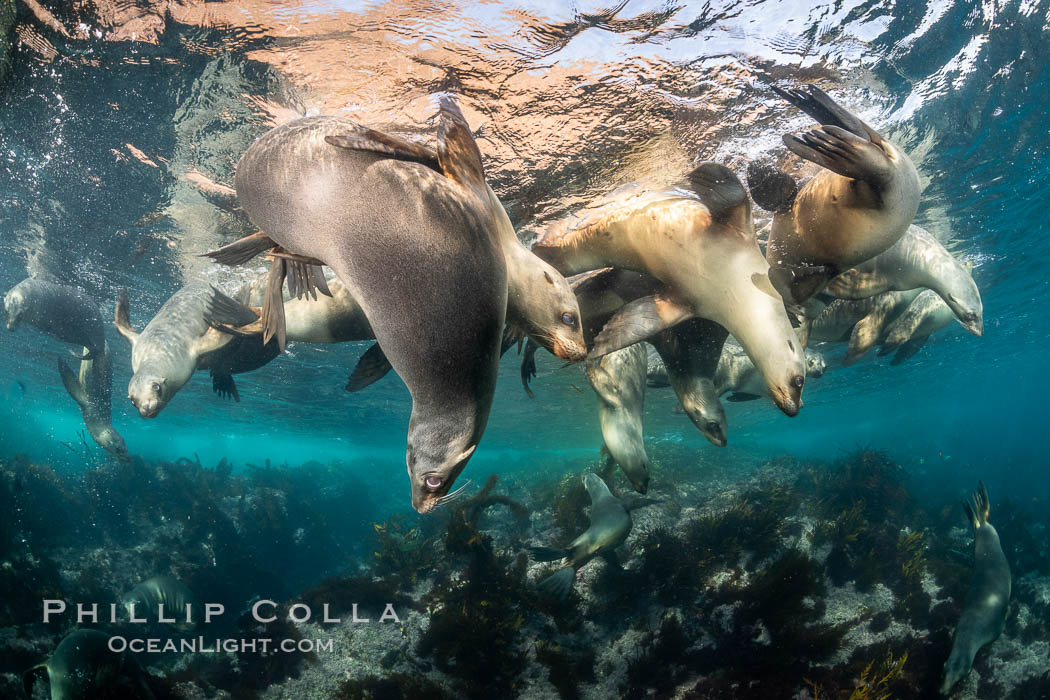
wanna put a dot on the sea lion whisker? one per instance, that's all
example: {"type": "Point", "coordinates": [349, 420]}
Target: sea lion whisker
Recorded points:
{"type": "Point", "coordinates": [451, 496]}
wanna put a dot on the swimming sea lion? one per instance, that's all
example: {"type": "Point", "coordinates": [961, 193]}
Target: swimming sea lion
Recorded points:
{"type": "Point", "coordinates": [701, 245]}
{"type": "Point", "coordinates": [163, 597]}
{"type": "Point", "coordinates": [618, 379]}
{"type": "Point", "coordinates": [863, 323]}
{"type": "Point", "coordinates": [59, 310]}
{"type": "Point", "coordinates": [859, 205]}
{"type": "Point", "coordinates": [736, 373]}
{"type": "Point", "coordinates": [923, 317]}
{"type": "Point", "coordinates": [92, 390]}
{"type": "Point", "coordinates": [82, 666]}
{"type": "Point", "coordinates": [984, 613]}
{"type": "Point", "coordinates": [610, 524]}
{"type": "Point", "coordinates": [418, 248]}
{"type": "Point", "coordinates": [168, 350]}
{"type": "Point", "coordinates": [917, 260]}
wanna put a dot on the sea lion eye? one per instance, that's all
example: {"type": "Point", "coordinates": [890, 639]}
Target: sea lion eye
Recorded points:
{"type": "Point", "coordinates": [568, 319]}
{"type": "Point", "coordinates": [155, 387]}
{"type": "Point", "coordinates": [432, 482]}
{"type": "Point", "coordinates": [798, 381]}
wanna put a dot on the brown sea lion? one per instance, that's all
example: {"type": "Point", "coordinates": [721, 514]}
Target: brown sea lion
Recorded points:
{"type": "Point", "coordinates": [859, 205]}
{"type": "Point", "coordinates": [701, 245]}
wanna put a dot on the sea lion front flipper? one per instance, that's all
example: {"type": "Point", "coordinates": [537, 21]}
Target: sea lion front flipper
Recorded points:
{"type": "Point", "coordinates": [273, 304]}
{"type": "Point", "coordinates": [386, 144]}
{"type": "Point", "coordinates": [796, 284]}
{"type": "Point", "coordinates": [372, 367]}
{"type": "Point", "coordinates": [72, 384]}
{"type": "Point", "coordinates": [907, 350]}
{"type": "Point", "coordinates": [29, 678]}
{"type": "Point", "coordinates": [224, 386]}
{"type": "Point", "coordinates": [841, 152]}
{"type": "Point", "coordinates": [863, 337]}
{"type": "Point", "coordinates": [577, 283]}
{"type": "Point", "coordinates": [458, 154]}
{"type": "Point", "coordinates": [122, 318]}
{"type": "Point", "coordinates": [740, 396]}
{"type": "Point", "coordinates": [771, 188]}
{"type": "Point", "coordinates": [558, 584]}
{"type": "Point", "coordinates": [212, 340]}
{"type": "Point", "coordinates": [528, 366]}
{"type": "Point", "coordinates": [854, 284]}
{"type": "Point", "coordinates": [824, 110]}
{"type": "Point", "coordinates": [242, 250]}
{"type": "Point", "coordinates": [723, 194]}
{"type": "Point", "coordinates": [638, 320]}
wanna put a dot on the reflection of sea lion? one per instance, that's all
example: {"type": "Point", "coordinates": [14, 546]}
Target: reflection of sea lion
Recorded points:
{"type": "Point", "coordinates": [925, 315]}
{"type": "Point", "coordinates": [82, 666]}
{"type": "Point", "coordinates": [167, 351]}
{"type": "Point", "coordinates": [703, 248]}
{"type": "Point", "coordinates": [916, 260]}
{"type": "Point", "coordinates": [984, 613]}
{"type": "Point", "coordinates": [861, 322]}
{"type": "Point", "coordinates": [163, 597]}
{"type": "Point", "coordinates": [849, 212]}
{"type": "Point", "coordinates": [610, 524]}
{"type": "Point", "coordinates": [59, 310]}
{"type": "Point", "coordinates": [417, 248]}
{"type": "Point", "coordinates": [92, 390]}
{"type": "Point", "coordinates": [736, 373]}
{"type": "Point", "coordinates": [618, 380]}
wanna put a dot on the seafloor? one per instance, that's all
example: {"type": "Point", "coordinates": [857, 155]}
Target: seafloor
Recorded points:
{"type": "Point", "coordinates": [787, 579]}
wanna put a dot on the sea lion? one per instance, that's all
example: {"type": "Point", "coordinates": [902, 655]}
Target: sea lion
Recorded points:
{"type": "Point", "coordinates": [855, 208]}
{"type": "Point", "coordinates": [984, 613]}
{"type": "Point", "coordinates": [82, 666]}
{"type": "Point", "coordinates": [610, 524]}
{"type": "Point", "coordinates": [917, 260]}
{"type": "Point", "coordinates": [92, 389]}
{"type": "Point", "coordinates": [59, 310]}
{"type": "Point", "coordinates": [417, 247]}
{"type": "Point", "coordinates": [863, 323]}
{"type": "Point", "coordinates": [163, 597]}
{"type": "Point", "coordinates": [701, 244]}
{"type": "Point", "coordinates": [736, 373]}
{"type": "Point", "coordinates": [923, 317]}
{"type": "Point", "coordinates": [618, 380]}
{"type": "Point", "coordinates": [168, 350]}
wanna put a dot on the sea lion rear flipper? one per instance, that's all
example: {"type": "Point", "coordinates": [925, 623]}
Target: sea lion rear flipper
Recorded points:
{"type": "Point", "coordinates": [863, 337]}
{"type": "Point", "coordinates": [771, 188]}
{"type": "Point", "coordinates": [824, 110]}
{"type": "Point", "coordinates": [740, 396]}
{"type": "Point", "coordinates": [223, 309]}
{"type": "Point", "coordinates": [386, 144]}
{"type": "Point", "coordinates": [122, 318]}
{"type": "Point", "coordinates": [273, 304]}
{"type": "Point", "coordinates": [224, 386]}
{"type": "Point", "coordinates": [72, 384]}
{"type": "Point", "coordinates": [558, 584]}
{"type": "Point", "coordinates": [980, 499]}
{"type": "Point", "coordinates": [29, 678]}
{"type": "Point", "coordinates": [638, 320]}
{"type": "Point", "coordinates": [841, 152]}
{"type": "Point", "coordinates": [906, 351]}
{"type": "Point", "coordinates": [372, 367]}
{"type": "Point", "coordinates": [542, 554]}
{"type": "Point", "coordinates": [458, 154]}
{"type": "Point", "coordinates": [971, 515]}
{"type": "Point", "coordinates": [723, 194]}
{"type": "Point", "coordinates": [528, 366]}
{"type": "Point", "coordinates": [242, 250]}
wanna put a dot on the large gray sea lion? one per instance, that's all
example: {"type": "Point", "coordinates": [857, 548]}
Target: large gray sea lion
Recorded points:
{"type": "Point", "coordinates": [168, 350]}
{"type": "Point", "coordinates": [984, 613]}
{"type": "Point", "coordinates": [610, 524]}
{"type": "Point", "coordinates": [855, 208]}
{"type": "Point", "coordinates": [59, 310]}
{"type": "Point", "coordinates": [702, 246]}
{"type": "Point", "coordinates": [917, 260]}
{"type": "Point", "coordinates": [618, 379]}
{"type": "Point", "coordinates": [923, 317]}
{"type": "Point", "coordinates": [417, 247]}
{"type": "Point", "coordinates": [163, 598]}
{"type": "Point", "coordinates": [92, 389]}
{"type": "Point", "coordinates": [83, 667]}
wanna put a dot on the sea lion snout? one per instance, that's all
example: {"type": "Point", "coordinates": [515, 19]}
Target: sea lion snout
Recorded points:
{"type": "Point", "coordinates": [789, 398]}
{"type": "Point", "coordinates": [569, 350]}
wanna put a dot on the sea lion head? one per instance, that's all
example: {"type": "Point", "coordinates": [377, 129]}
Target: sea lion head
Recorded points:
{"type": "Point", "coordinates": [816, 365]}
{"type": "Point", "coordinates": [14, 303]}
{"type": "Point", "coordinates": [550, 313]}
{"type": "Point", "coordinates": [964, 299]}
{"type": "Point", "coordinates": [709, 416]}
{"type": "Point", "coordinates": [433, 478]}
{"type": "Point", "coordinates": [111, 441]}
{"type": "Point", "coordinates": [955, 669]}
{"type": "Point", "coordinates": [149, 394]}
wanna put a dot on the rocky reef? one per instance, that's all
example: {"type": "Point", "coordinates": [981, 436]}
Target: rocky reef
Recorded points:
{"type": "Point", "coordinates": [788, 579]}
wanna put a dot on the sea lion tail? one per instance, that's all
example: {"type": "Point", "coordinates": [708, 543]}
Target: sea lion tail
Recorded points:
{"type": "Point", "coordinates": [371, 367]}
{"type": "Point", "coordinates": [547, 553]}
{"type": "Point", "coordinates": [29, 678]}
{"type": "Point", "coordinates": [242, 250]}
{"type": "Point", "coordinates": [771, 188]}
{"type": "Point", "coordinates": [557, 585]}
